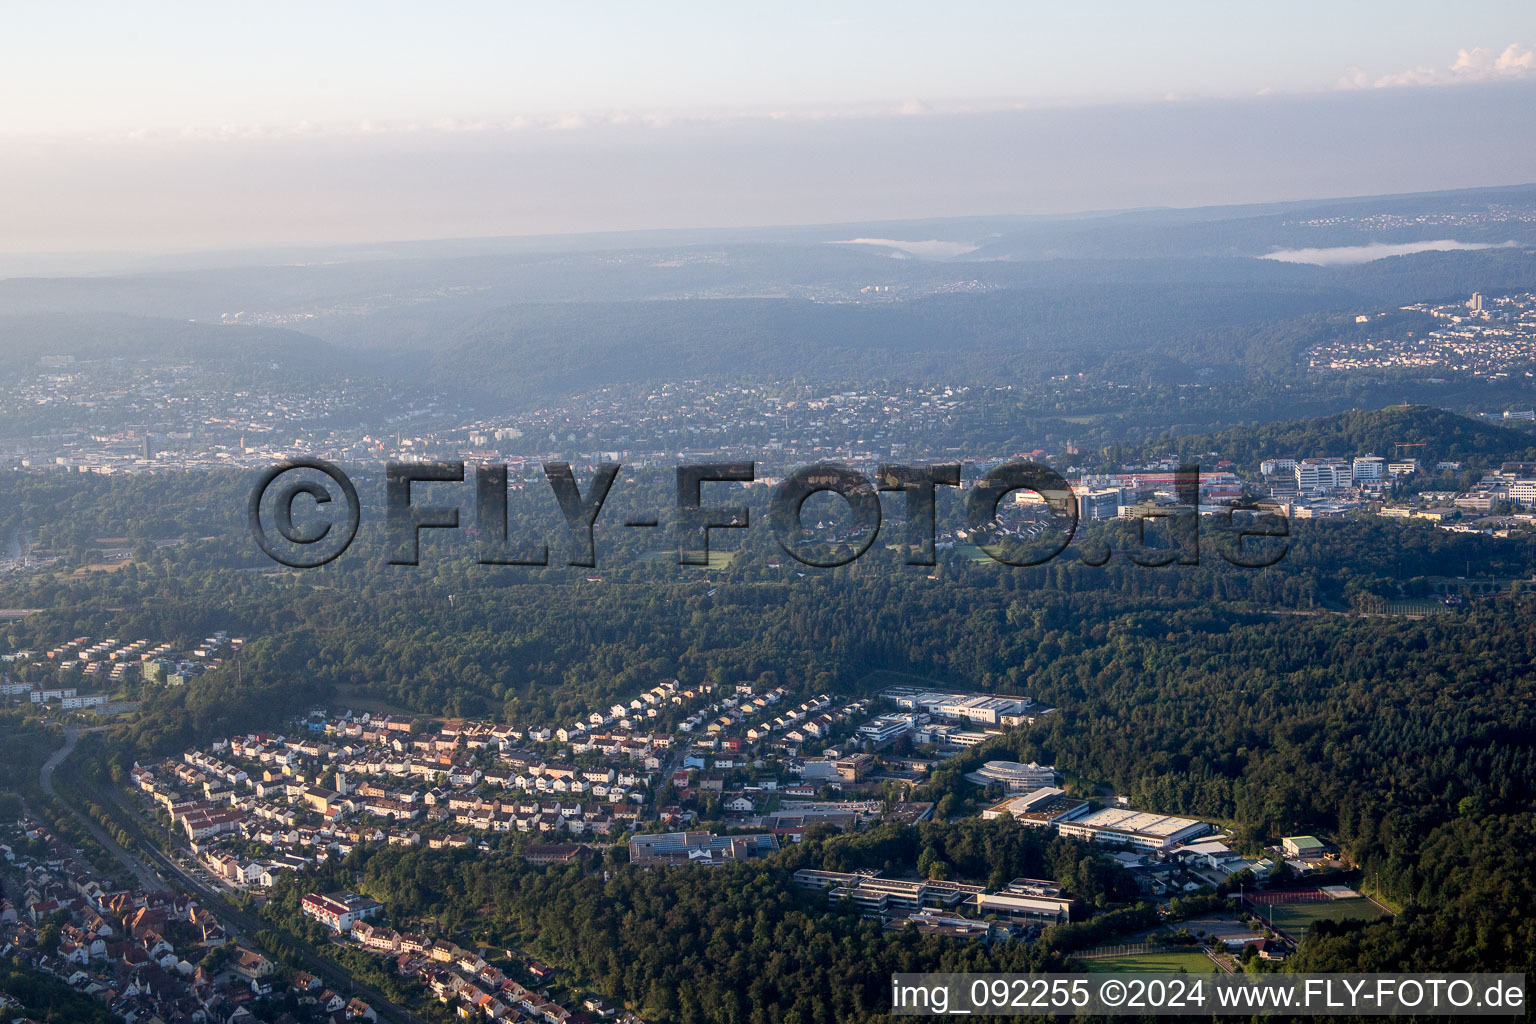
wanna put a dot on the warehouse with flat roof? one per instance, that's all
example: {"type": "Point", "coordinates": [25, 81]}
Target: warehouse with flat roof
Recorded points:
{"type": "Point", "coordinates": [1141, 829]}
{"type": "Point", "coordinates": [983, 708]}
{"type": "Point", "coordinates": [1021, 906]}
{"type": "Point", "coordinates": [698, 848]}
{"type": "Point", "coordinates": [1047, 805]}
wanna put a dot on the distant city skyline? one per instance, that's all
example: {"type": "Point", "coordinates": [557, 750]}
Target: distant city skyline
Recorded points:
{"type": "Point", "coordinates": [182, 126]}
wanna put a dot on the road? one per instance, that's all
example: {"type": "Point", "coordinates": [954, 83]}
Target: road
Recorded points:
{"type": "Point", "coordinates": [156, 871]}
{"type": "Point", "coordinates": [148, 878]}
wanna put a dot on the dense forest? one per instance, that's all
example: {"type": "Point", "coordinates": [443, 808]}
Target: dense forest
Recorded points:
{"type": "Point", "coordinates": [42, 997]}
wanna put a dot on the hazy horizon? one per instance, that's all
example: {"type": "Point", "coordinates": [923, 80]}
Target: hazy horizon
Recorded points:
{"type": "Point", "coordinates": [149, 132]}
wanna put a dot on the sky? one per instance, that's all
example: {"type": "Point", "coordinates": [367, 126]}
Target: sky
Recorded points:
{"type": "Point", "coordinates": [181, 125]}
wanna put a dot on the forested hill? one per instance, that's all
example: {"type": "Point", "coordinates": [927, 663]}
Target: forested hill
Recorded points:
{"type": "Point", "coordinates": [1170, 330]}
{"type": "Point", "coordinates": [27, 337]}
{"type": "Point", "coordinates": [1401, 431]}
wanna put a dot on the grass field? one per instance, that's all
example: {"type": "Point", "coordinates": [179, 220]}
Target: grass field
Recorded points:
{"type": "Point", "coordinates": [1298, 917]}
{"type": "Point", "coordinates": [975, 554]}
{"type": "Point", "coordinates": [881, 678]}
{"type": "Point", "coordinates": [1172, 962]}
{"type": "Point", "coordinates": [717, 559]}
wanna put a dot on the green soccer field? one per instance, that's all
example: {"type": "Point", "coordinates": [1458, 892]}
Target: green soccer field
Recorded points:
{"type": "Point", "coordinates": [881, 678]}
{"type": "Point", "coordinates": [1172, 962]}
{"type": "Point", "coordinates": [1298, 917]}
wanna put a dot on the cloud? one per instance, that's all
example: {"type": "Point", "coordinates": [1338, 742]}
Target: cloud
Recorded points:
{"type": "Point", "coordinates": [1354, 78]}
{"type": "Point", "coordinates": [567, 122]}
{"type": "Point", "coordinates": [932, 247]}
{"type": "Point", "coordinates": [1344, 255]}
{"type": "Point", "coordinates": [1479, 64]}
{"type": "Point", "coordinates": [1515, 59]}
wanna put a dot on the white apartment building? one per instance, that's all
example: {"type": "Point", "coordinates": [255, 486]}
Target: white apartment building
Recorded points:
{"type": "Point", "coordinates": [1323, 476]}
{"type": "Point", "coordinates": [888, 727]}
{"type": "Point", "coordinates": [1369, 469]}
{"type": "Point", "coordinates": [1522, 492]}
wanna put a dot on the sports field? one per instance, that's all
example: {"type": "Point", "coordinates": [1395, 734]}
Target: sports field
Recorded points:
{"type": "Point", "coordinates": [1296, 918]}
{"type": "Point", "coordinates": [1416, 606]}
{"type": "Point", "coordinates": [1171, 962]}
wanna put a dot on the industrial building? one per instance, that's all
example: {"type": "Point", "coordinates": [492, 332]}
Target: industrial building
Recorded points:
{"type": "Point", "coordinates": [1022, 906]}
{"type": "Point", "coordinates": [1119, 825]}
{"type": "Point", "coordinates": [698, 848]}
{"type": "Point", "coordinates": [986, 709]}
{"type": "Point", "coordinates": [1045, 806]}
